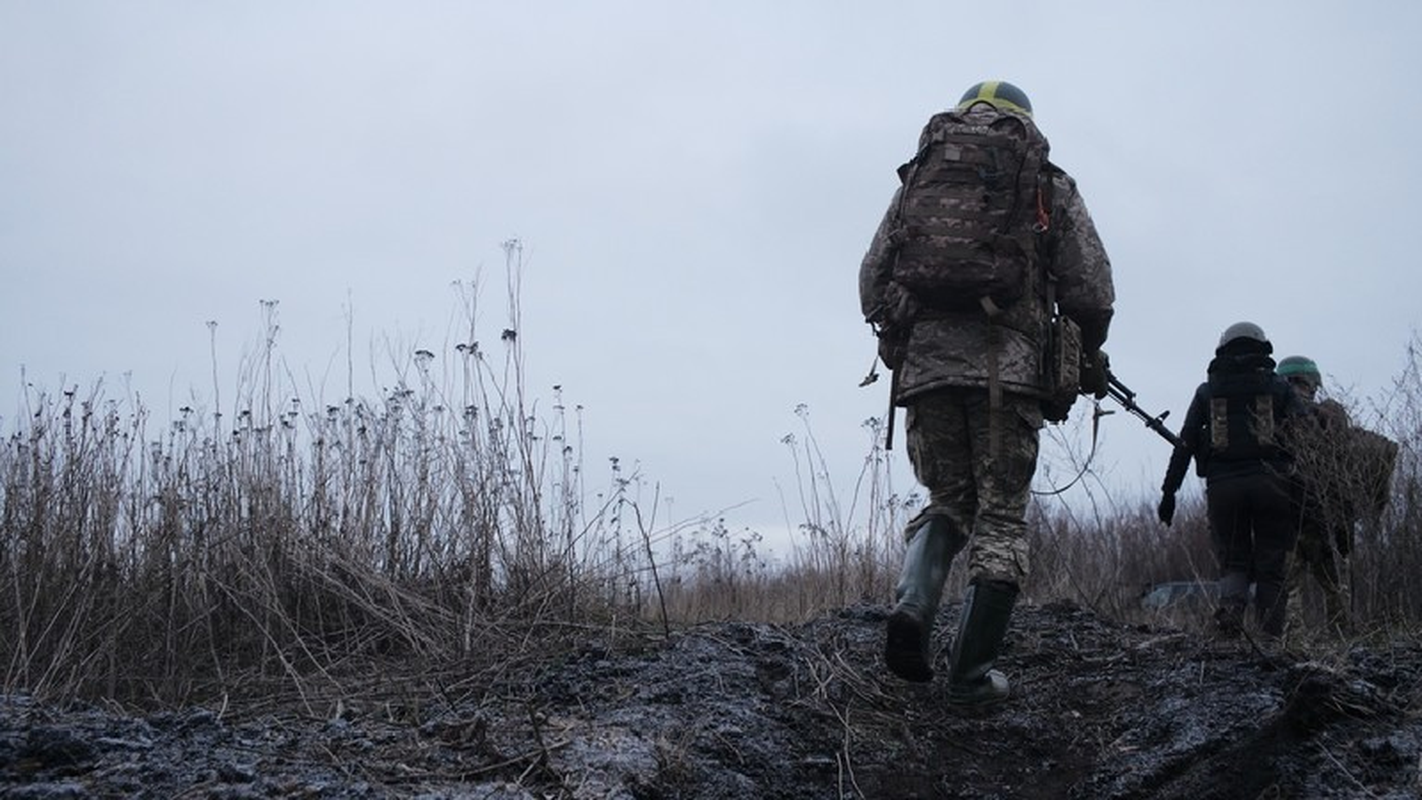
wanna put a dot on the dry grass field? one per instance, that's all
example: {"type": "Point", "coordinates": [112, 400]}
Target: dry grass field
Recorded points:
{"type": "Point", "coordinates": [293, 548]}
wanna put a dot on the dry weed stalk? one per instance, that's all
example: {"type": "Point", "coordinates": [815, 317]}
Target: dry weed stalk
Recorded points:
{"type": "Point", "coordinates": [284, 549]}
{"type": "Point", "coordinates": [294, 542]}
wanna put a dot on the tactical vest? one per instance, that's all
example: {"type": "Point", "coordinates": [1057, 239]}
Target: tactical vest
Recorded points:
{"type": "Point", "coordinates": [967, 210]}
{"type": "Point", "coordinates": [1242, 416]}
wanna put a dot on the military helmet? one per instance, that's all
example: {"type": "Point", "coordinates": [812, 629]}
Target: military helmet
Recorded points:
{"type": "Point", "coordinates": [1300, 368]}
{"type": "Point", "coordinates": [999, 94]}
{"type": "Point", "coordinates": [1243, 330]}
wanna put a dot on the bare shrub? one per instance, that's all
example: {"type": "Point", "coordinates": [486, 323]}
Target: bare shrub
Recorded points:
{"type": "Point", "coordinates": [285, 548]}
{"type": "Point", "coordinates": [295, 541]}
{"type": "Point", "coordinates": [1387, 553]}
{"type": "Point", "coordinates": [849, 546]}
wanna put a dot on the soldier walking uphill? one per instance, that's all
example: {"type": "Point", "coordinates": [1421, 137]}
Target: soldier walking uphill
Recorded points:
{"type": "Point", "coordinates": [982, 244]}
{"type": "Point", "coordinates": [1236, 429]}
{"type": "Point", "coordinates": [1328, 506]}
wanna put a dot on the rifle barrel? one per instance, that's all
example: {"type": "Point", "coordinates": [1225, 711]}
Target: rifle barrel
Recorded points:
{"type": "Point", "coordinates": [1127, 398]}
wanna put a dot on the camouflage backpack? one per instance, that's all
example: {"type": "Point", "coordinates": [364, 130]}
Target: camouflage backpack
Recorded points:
{"type": "Point", "coordinates": [970, 211]}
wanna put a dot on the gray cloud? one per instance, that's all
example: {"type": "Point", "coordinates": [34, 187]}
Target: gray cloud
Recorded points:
{"type": "Point", "coordinates": [694, 188]}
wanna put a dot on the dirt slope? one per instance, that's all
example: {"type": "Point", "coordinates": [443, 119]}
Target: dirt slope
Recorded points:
{"type": "Point", "coordinates": [744, 711]}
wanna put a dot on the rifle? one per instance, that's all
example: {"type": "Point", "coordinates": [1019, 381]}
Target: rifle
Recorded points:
{"type": "Point", "coordinates": [1127, 398]}
{"type": "Point", "coordinates": [889, 426]}
{"type": "Point", "coordinates": [893, 359]}
{"type": "Point", "coordinates": [893, 393]}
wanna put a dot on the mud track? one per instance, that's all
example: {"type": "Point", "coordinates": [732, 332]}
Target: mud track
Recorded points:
{"type": "Point", "coordinates": [736, 710]}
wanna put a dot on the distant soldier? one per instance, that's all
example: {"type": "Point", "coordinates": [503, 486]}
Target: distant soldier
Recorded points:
{"type": "Point", "coordinates": [1344, 480]}
{"type": "Point", "coordinates": [1326, 511]}
{"type": "Point", "coordinates": [982, 244]}
{"type": "Point", "coordinates": [1235, 429]}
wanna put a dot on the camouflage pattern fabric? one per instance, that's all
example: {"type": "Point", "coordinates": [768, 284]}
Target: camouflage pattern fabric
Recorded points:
{"type": "Point", "coordinates": [1314, 555]}
{"type": "Point", "coordinates": [979, 491]}
{"type": "Point", "coordinates": [966, 195]}
{"type": "Point", "coordinates": [1328, 495]}
{"type": "Point", "coordinates": [976, 455]}
{"type": "Point", "coordinates": [1332, 495]}
{"type": "Point", "coordinates": [946, 349]}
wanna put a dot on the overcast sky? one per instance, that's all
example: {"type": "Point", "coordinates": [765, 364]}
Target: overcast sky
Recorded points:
{"type": "Point", "coordinates": [694, 186]}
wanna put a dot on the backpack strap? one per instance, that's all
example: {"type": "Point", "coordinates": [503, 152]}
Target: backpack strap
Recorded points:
{"type": "Point", "coordinates": [1046, 195]}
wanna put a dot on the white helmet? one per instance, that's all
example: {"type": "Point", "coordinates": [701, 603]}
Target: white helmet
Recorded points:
{"type": "Point", "coordinates": [1244, 330]}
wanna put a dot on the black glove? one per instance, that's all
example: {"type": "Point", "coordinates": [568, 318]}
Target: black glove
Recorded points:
{"type": "Point", "coordinates": [1094, 369]}
{"type": "Point", "coordinates": [1166, 510]}
{"type": "Point", "coordinates": [1057, 408]}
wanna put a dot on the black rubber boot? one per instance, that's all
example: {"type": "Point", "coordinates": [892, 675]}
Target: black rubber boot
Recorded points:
{"type": "Point", "coordinates": [1271, 591]}
{"type": "Point", "coordinates": [982, 625]}
{"type": "Point", "coordinates": [1234, 597]}
{"type": "Point", "coordinates": [933, 542]}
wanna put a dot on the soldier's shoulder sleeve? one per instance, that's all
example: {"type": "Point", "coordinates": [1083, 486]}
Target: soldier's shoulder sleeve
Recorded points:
{"type": "Point", "coordinates": [1196, 414]}
{"type": "Point", "coordinates": [1085, 289]}
{"type": "Point", "coordinates": [1190, 441]}
{"type": "Point", "coordinates": [876, 268]}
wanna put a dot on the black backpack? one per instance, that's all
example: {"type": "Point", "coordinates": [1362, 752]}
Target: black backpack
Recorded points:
{"type": "Point", "coordinates": [1244, 415]}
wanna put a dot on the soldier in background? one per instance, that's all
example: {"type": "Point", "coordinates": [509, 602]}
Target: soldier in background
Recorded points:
{"type": "Point", "coordinates": [969, 361]}
{"type": "Point", "coordinates": [1325, 510]}
{"type": "Point", "coordinates": [1236, 429]}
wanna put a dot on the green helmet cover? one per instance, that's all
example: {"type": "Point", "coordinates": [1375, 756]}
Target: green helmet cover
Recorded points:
{"type": "Point", "coordinates": [1299, 366]}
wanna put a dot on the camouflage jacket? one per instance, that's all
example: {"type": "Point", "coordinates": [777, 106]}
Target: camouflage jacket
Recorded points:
{"type": "Point", "coordinates": [946, 349]}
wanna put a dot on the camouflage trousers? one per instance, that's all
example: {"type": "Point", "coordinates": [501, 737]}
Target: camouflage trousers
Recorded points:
{"type": "Point", "coordinates": [1316, 557]}
{"type": "Point", "coordinates": [977, 466]}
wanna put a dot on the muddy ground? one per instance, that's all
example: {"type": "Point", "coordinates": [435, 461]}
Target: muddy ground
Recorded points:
{"type": "Point", "coordinates": [735, 710]}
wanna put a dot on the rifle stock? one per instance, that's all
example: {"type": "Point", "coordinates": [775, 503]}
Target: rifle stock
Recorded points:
{"type": "Point", "coordinates": [1127, 398]}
